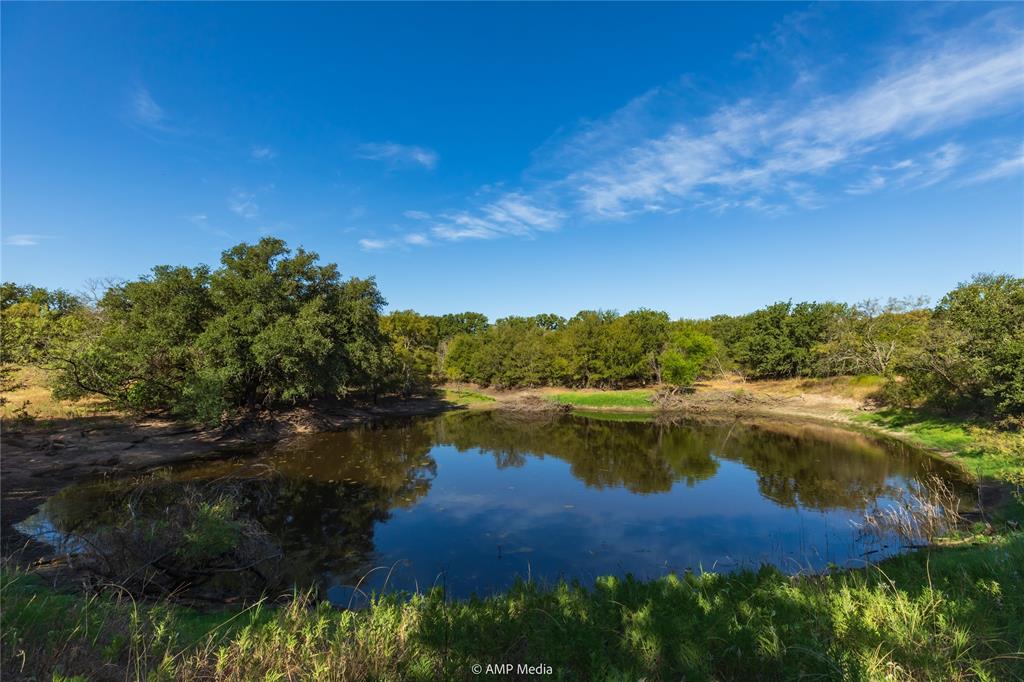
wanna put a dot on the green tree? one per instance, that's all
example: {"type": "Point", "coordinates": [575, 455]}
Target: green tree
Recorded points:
{"type": "Point", "coordinates": [874, 338]}
{"type": "Point", "coordinates": [685, 357]}
{"type": "Point", "coordinates": [973, 358]}
{"type": "Point", "coordinates": [32, 319]}
{"type": "Point", "coordinates": [414, 345]}
{"type": "Point", "coordinates": [288, 328]}
{"type": "Point", "coordinates": [451, 324]}
{"type": "Point", "coordinates": [583, 348]}
{"type": "Point", "coordinates": [780, 340]}
{"type": "Point", "coordinates": [631, 347]}
{"type": "Point", "coordinates": [267, 325]}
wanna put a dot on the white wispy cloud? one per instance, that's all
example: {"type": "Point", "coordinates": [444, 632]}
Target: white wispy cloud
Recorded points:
{"type": "Point", "coordinates": [145, 114]}
{"type": "Point", "coordinates": [513, 214]}
{"type": "Point", "coordinates": [376, 244]}
{"type": "Point", "coordinates": [751, 149]}
{"type": "Point", "coordinates": [416, 215]}
{"type": "Point", "coordinates": [416, 239]}
{"type": "Point", "coordinates": [398, 154]}
{"type": "Point", "coordinates": [244, 204]}
{"type": "Point", "coordinates": [262, 153]}
{"type": "Point", "coordinates": [912, 121]}
{"type": "Point", "coordinates": [24, 239]}
{"type": "Point", "coordinates": [202, 221]}
{"type": "Point", "coordinates": [998, 169]}
{"type": "Point", "coordinates": [403, 242]}
{"type": "Point", "coordinates": [146, 110]}
{"type": "Point", "coordinates": [924, 171]}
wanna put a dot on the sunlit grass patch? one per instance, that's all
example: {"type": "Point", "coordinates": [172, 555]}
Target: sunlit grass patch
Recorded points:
{"type": "Point", "coordinates": [462, 397]}
{"type": "Point", "coordinates": [28, 397]}
{"type": "Point", "coordinates": [982, 450]}
{"type": "Point", "coordinates": [632, 398]}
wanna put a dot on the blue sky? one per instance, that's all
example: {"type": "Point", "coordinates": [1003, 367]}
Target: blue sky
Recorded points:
{"type": "Point", "coordinates": [514, 159]}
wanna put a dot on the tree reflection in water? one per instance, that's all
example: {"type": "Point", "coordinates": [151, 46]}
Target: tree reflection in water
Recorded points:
{"type": "Point", "coordinates": [326, 498]}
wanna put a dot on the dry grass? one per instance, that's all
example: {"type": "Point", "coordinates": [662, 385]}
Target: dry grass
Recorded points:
{"type": "Point", "coordinates": [30, 399]}
{"type": "Point", "coordinates": [921, 517]}
{"type": "Point", "coordinates": [846, 389]}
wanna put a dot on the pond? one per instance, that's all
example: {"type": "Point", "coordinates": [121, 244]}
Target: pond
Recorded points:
{"type": "Point", "coordinates": [473, 501]}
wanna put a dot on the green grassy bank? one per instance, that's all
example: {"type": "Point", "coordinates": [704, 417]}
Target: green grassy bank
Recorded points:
{"type": "Point", "coordinates": [637, 398]}
{"type": "Point", "coordinates": [949, 614]}
{"type": "Point", "coordinates": [984, 451]}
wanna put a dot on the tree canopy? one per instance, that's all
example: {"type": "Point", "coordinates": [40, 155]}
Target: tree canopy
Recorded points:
{"type": "Point", "coordinates": [272, 324]}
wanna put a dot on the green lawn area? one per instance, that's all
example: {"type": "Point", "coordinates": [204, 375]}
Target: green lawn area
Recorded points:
{"type": "Point", "coordinates": [953, 613]}
{"type": "Point", "coordinates": [616, 416]}
{"type": "Point", "coordinates": [461, 397]}
{"type": "Point", "coordinates": [984, 451]}
{"type": "Point", "coordinates": [632, 399]}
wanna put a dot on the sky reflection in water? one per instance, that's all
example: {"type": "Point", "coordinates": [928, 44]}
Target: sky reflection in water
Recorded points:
{"type": "Point", "coordinates": [472, 501]}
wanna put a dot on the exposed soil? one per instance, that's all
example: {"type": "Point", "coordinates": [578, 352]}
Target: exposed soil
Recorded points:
{"type": "Point", "coordinates": [791, 398]}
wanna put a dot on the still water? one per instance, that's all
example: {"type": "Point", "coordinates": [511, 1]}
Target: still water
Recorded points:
{"type": "Point", "coordinates": [473, 501]}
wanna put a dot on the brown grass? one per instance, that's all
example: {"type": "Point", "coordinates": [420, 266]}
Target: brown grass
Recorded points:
{"type": "Point", "coordinates": [31, 399]}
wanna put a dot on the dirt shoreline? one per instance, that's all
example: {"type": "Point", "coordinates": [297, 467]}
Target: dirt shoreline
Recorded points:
{"type": "Point", "coordinates": [39, 459]}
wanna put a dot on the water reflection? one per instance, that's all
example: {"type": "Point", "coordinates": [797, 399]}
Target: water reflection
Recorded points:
{"type": "Point", "coordinates": [474, 500]}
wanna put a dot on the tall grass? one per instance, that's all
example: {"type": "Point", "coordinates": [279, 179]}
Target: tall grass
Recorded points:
{"type": "Point", "coordinates": [949, 614]}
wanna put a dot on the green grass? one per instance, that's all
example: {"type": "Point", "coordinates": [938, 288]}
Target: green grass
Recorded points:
{"type": "Point", "coordinates": [952, 614]}
{"type": "Point", "coordinates": [981, 450]}
{"type": "Point", "coordinates": [630, 399]}
{"type": "Point", "coordinates": [460, 397]}
{"type": "Point", "coordinates": [870, 380]}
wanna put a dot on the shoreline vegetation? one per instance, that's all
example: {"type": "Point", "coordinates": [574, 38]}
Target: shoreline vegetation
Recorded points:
{"type": "Point", "coordinates": [184, 364]}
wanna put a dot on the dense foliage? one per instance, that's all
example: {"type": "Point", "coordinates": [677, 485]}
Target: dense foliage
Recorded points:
{"type": "Point", "coordinates": [271, 325]}
{"type": "Point", "coordinates": [267, 325]}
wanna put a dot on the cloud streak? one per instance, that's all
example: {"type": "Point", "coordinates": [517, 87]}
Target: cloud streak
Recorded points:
{"type": "Point", "coordinates": [903, 126]}
{"type": "Point", "coordinates": [398, 154]}
{"type": "Point", "coordinates": [750, 151]}
{"type": "Point", "coordinates": [262, 153]}
{"type": "Point", "coordinates": [24, 239]}
{"type": "Point", "coordinates": [243, 204]}
{"type": "Point", "coordinates": [999, 169]}
{"type": "Point", "coordinates": [144, 113]}
{"type": "Point", "coordinates": [513, 214]}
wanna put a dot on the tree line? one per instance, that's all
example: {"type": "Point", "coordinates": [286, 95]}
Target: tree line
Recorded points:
{"type": "Point", "coordinates": [272, 325]}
